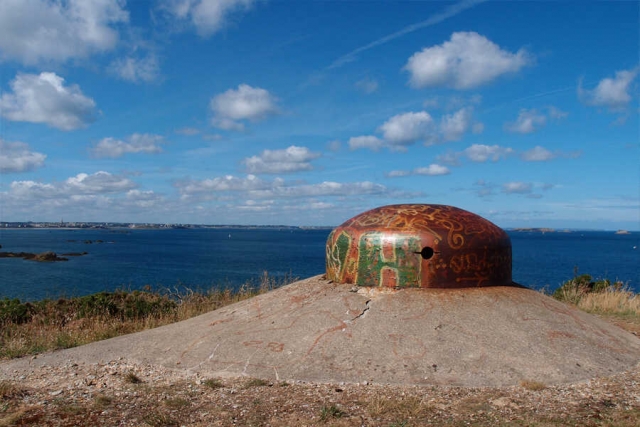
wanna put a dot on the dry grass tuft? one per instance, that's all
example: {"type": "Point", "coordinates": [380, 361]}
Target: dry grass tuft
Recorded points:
{"type": "Point", "coordinates": [400, 408]}
{"type": "Point", "coordinates": [132, 378]}
{"type": "Point", "coordinates": [622, 301]}
{"type": "Point", "coordinates": [532, 385]}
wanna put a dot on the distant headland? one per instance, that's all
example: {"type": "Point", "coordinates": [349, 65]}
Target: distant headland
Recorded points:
{"type": "Point", "coordinates": [139, 226]}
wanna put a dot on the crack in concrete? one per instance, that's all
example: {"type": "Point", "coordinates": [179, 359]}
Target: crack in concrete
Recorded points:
{"type": "Point", "coordinates": [364, 311]}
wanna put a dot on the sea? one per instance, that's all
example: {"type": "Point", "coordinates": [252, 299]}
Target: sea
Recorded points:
{"type": "Point", "coordinates": [205, 258]}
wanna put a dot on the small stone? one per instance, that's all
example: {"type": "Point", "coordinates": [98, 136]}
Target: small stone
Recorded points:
{"type": "Point", "coordinates": [56, 393]}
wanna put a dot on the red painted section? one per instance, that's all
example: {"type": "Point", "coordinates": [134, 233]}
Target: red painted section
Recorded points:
{"type": "Point", "coordinates": [384, 247]}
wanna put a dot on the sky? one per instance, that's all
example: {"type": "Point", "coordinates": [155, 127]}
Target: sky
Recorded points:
{"type": "Point", "coordinates": [296, 112]}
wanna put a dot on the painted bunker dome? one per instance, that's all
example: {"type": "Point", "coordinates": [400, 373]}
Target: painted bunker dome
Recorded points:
{"type": "Point", "coordinates": [419, 245]}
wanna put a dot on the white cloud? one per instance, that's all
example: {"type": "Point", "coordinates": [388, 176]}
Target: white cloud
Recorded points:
{"type": "Point", "coordinates": [143, 199]}
{"type": "Point", "coordinates": [366, 141]}
{"type": "Point", "coordinates": [77, 188]}
{"type": "Point", "coordinates": [136, 143]}
{"type": "Point", "coordinates": [454, 126]}
{"type": "Point", "coordinates": [225, 183]}
{"type": "Point", "coordinates": [556, 113]}
{"type": "Point", "coordinates": [405, 129]}
{"type": "Point", "coordinates": [466, 61]}
{"type": "Point", "coordinates": [207, 16]}
{"type": "Point", "coordinates": [480, 153]}
{"type": "Point", "coordinates": [291, 159]}
{"type": "Point", "coordinates": [99, 182]}
{"type": "Point", "coordinates": [84, 197]}
{"type": "Point", "coordinates": [367, 85]}
{"type": "Point", "coordinates": [255, 188]}
{"type": "Point", "coordinates": [541, 154]}
{"type": "Point", "coordinates": [136, 69]}
{"type": "Point", "coordinates": [397, 173]}
{"type": "Point", "coordinates": [17, 157]}
{"type": "Point", "coordinates": [538, 154]}
{"type": "Point", "coordinates": [528, 121]}
{"type": "Point", "coordinates": [44, 98]}
{"type": "Point", "coordinates": [33, 31]}
{"type": "Point", "coordinates": [612, 93]}
{"type": "Point", "coordinates": [431, 170]}
{"type": "Point", "coordinates": [245, 103]}
{"type": "Point", "coordinates": [517, 188]}
{"type": "Point", "coordinates": [449, 12]}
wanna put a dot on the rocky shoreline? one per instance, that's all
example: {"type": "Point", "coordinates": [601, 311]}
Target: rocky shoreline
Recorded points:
{"type": "Point", "coordinates": [48, 256]}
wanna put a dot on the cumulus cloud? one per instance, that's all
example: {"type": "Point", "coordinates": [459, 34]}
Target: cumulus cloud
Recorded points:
{"type": "Point", "coordinates": [44, 98]}
{"type": "Point", "coordinates": [207, 16]}
{"type": "Point", "coordinates": [291, 159]}
{"type": "Point", "coordinates": [136, 69]}
{"type": "Point", "coordinates": [33, 31]}
{"type": "Point", "coordinates": [405, 129]}
{"type": "Point", "coordinates": [466, 61]}
{"type": "Point", "coordinates": [529, 121]}
{"type": "Point", "coordinates": [136, 143]}
{"type": "Point", "coordinates": [76, 188]}
{"type": "Point", "coordinates": [431, 170]}
{"type": "Point", "coordinates": [17, 157]}
{"type": "Point", "coordinates": [366, 141]}
{"type": "Point", "coordinates": [538, 154]}
{"type": "Point", "coordinates": [367, 85]}
{"type": "Point", "coordinates": [84, 196]}
{"type": "Point", "coordinates": [245, 103]}
{"type": "Point", "coordinates": [612, 93]}
{"type": "Point", "coordinates": [517, 188]}
{"type": "Point", "coordinates": [541, 154]}
{"type": "Point", "coordinates": [99, 182]}
{"type": "Point", "coordinates": [255, 188]}
{"type": "Point", "coordinates": [480, 153]}
{"type": "Point", "coordinates": [143, 199]}
{"type": "Point", "coordinates": [454, 126]}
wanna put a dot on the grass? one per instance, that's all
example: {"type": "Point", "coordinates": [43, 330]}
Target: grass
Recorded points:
{"type": "Point", "coordinates": [36, 327]}
{"type": "Point", "coordinates": [329, 412]}
{"type": "Point", "coordinates": [532, 385]}
{"type": "Point", "coordinates": [611, 300]}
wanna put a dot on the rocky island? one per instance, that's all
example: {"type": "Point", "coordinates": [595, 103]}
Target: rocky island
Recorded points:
{"type": "Point", "coordinates": [48, 256]}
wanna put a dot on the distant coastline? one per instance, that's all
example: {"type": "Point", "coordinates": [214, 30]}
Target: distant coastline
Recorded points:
{"type": "Point", "coordinates": [30, 225]}
{"type": "Point", "coordinates": [145, 226]}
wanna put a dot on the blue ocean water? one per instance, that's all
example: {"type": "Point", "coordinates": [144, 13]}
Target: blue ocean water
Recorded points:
{"type": "Point", "coordinates": [205, 258]}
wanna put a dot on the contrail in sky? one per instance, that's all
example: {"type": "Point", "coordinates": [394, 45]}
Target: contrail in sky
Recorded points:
{"type": "Point", "coordinates": [449, 12]}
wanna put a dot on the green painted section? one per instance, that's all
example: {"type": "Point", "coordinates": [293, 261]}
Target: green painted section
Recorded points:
{"type": "Point", "coordinates": [403, 262]}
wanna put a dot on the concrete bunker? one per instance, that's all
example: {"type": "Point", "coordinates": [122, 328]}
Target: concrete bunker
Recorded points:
{"type": "Point", "coordinates": [419, 246]}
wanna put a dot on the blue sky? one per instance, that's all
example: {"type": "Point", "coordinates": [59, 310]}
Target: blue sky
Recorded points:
{"type": "Point", "coordinates": [310, 112]}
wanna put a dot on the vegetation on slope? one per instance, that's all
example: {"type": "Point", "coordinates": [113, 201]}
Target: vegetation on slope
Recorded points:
{"type": "Point", "coordinates": [35, 327]}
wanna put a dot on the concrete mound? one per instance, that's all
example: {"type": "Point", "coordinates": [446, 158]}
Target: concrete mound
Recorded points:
{"type": "Point", "coordinates": [319, 331]}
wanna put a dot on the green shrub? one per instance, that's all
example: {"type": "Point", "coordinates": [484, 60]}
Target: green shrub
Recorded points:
{"type": "Point", "coordinates": [573, 290]}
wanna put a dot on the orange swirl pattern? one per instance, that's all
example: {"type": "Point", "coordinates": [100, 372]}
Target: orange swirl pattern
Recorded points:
{"type": "Point", "coordinates": [419, 245]}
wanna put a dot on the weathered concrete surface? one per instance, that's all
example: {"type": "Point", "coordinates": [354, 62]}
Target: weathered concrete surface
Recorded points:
{"type": "Point", "coordinates": [314, 330]}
